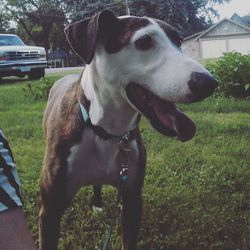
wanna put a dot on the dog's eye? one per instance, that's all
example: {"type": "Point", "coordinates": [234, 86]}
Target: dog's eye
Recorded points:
{"type": "Point", "coordinates": [144, 43]}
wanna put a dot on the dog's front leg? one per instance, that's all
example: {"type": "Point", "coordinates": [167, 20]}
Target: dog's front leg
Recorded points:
{"type": "Point", "coordinates": [54, 201]}
{"type": "Point", "coordinates": [49, 228]}
{"type": "Point", "coordinates": [53, 205]}
{"type": "Point", "coordinates": [131, 218]}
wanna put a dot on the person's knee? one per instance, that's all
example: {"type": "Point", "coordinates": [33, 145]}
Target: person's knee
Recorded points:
{"type": "Point", "coordinates": [14, 231]}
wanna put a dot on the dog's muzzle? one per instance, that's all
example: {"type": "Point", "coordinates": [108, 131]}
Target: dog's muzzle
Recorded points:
{"type": "Point", "coordinates": [201, 85]}
{"type": "Point", "coordinates": [164, 116]}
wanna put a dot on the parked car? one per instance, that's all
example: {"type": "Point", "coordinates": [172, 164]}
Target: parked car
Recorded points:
{"type": "Point", "coordinates": [18, 59]}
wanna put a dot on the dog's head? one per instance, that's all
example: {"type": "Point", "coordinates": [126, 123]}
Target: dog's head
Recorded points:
{"type": "Point", "coordinates": [143, 57]}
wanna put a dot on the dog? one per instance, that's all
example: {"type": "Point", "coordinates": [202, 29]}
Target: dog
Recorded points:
{"type": "Point", "coordinates": [134, 66]}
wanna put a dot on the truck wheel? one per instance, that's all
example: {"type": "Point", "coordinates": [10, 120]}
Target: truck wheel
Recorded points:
{"type": "Point", "coordinates": [36, 74]}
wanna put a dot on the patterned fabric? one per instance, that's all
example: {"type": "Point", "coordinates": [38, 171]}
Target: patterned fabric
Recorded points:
{"type": "Point", "coordinates": [10, 196]}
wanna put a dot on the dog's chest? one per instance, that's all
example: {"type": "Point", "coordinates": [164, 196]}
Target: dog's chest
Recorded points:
{"type": "Point", "coordinates": [96, 161]}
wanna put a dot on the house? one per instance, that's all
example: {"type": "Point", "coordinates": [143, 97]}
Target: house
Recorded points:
{"type": "Point", "coordinates": [60, 58]}
{"type": "Point", "coordinates": [229, 34]}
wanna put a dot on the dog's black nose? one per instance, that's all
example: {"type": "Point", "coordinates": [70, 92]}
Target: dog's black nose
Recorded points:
{"type": "Point", "coordinates": [202, 85]}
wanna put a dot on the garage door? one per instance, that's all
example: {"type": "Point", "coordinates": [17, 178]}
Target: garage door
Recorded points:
{"type": "Point", "coordinates": [241, 45]}
{"type": "Point", "coordinates": [213, 49]}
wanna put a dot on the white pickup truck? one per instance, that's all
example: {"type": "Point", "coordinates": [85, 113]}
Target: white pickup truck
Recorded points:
{"type": "Point", "coordinates": [18, 59]}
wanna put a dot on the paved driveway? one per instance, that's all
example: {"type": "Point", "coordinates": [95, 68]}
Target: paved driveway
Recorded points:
{"type": "Point", "coordinates": [69, 70]}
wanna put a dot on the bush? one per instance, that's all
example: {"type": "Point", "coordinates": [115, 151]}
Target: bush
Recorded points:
{"type": "Point", "coordinates": [39, 90]}
{"type": "Point", "coordinates": [232, 71]}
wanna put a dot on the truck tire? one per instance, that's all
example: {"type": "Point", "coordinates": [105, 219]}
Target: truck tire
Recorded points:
{"type": "Point", "coordinates": [36, 74]}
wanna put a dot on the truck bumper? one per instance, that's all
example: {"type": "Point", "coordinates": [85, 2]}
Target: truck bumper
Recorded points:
{"type": "Point", "coordinates": [16, 68]}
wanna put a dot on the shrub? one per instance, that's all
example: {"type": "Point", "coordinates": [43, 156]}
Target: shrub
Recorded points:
{"type": "Point", "coordinates": [232, 71]}
{"type": "Point", "coordinates": [39, 90]}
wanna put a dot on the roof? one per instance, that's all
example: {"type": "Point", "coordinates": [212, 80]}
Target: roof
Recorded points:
{"type": "Point", "coordinates": [243, 22]}
{"type": "Point", "coordinates": [240, 20]}
{"type": "Point", "coordinates": [192, 36]}
{"type": "Point", "coordinates": [247, 19]}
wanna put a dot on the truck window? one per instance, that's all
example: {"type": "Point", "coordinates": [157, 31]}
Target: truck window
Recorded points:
{"type": "Point", "coordinates": [6, 40]}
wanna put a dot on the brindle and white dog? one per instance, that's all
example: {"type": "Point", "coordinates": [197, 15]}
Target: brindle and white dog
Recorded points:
{"type": "Point", "coordinates": [134, 66]}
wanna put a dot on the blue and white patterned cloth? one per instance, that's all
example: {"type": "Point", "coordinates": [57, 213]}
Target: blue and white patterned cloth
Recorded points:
{"type": "Point", "coordinates": [10, 196]}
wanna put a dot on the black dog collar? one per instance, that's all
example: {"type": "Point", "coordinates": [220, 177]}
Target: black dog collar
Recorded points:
{"type": "Point", "coordinates": [98, 130]}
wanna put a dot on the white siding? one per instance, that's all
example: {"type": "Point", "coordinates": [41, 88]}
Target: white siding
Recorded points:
{"type": "Point", "coordinates": [241, 45]}
{"type": "Point", "coordinates": [190, 48]}
{"type": "Point", "coordinates": [213, 48]}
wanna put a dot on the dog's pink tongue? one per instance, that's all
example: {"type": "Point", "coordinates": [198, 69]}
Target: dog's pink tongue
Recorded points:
{"type": "Point", "coordinates": [174, 119]}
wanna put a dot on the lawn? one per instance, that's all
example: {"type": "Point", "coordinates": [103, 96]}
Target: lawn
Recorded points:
{"type": "Point", "coordinates": [196, 194]}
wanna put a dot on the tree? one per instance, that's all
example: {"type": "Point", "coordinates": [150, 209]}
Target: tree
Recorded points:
{"type": "Point", "coordinates": [187, 16]}
{"type": "Point", "coordinates": [4, 20]}
{"type": "Point", "coordinates": [4, 24]}
{"type": "Point", "coordinates": [42, 21]}
{"type": "Point", "coordinates": [79, 9]}
{"type": "Point", "coordinates": [37, 18]}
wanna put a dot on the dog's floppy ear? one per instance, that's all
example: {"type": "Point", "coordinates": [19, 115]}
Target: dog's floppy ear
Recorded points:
{"type": "Point", "coordinates": [83, 35]}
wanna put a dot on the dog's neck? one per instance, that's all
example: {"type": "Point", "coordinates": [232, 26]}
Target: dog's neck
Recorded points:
{"type": "Point", "coordinates": [109, 108]}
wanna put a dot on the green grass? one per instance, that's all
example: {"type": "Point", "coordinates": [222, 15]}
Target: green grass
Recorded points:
{"type": "Point", "coordinates": [196, 194]}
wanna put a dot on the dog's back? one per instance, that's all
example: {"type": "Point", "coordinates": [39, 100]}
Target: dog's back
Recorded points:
{"type": "Point", "coordinates": [60, 104]}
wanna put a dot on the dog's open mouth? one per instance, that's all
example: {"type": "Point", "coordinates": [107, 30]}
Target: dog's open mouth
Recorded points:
{"type": "Point", "coordinates": [164, 116]}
